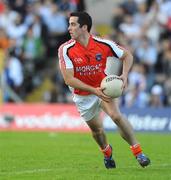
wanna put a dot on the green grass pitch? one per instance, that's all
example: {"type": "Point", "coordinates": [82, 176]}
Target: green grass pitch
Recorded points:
{"type": "Point", "coordinates": [72, 156]}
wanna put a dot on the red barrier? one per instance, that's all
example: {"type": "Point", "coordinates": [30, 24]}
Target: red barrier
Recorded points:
{"type": "Point", "coordinates": [41, 117]}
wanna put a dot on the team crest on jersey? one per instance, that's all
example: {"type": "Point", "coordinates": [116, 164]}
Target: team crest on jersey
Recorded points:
{"type": "Point", "coordinates": [78, 60]}
{"type": "Point", "coordinates": [98, 56]}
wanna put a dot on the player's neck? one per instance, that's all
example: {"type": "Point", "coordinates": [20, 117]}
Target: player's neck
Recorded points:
{"type": "Point", "coordinates": [84, 39]}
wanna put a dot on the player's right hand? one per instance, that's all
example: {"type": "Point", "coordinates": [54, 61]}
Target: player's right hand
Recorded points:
{"type": "Point", "coordinates": [99, 92]}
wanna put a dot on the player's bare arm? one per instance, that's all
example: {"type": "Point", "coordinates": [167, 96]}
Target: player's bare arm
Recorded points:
{"type": "Point", "coordinates": [70, 80]}
{"type": "Point", "coordinates": [127, 60]}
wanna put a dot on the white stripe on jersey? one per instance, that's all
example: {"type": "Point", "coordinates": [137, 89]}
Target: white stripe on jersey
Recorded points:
{"type": "Point", "coordinates": [65, 58]}
{"type": "Point", "coordinates": [119, 52]}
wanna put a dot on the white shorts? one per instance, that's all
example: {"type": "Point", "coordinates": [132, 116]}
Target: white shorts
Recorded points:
{"type": "Point", "coordinates": [88, 106]}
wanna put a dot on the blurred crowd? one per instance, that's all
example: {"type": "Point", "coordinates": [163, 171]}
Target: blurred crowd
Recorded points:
{"type": "Point", "coordinates": [30, 33]}
{"type": "Point", "coordinates": [32, 30]}
{"type": "Point", "coordinates": [144, 27]}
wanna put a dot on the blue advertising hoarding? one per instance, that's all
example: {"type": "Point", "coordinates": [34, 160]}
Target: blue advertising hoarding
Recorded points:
{"type": "Point", "coordinates": [144, 119]}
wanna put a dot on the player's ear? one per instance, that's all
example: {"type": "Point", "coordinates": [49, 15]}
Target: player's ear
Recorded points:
{"type": "Point", "coordinates": [85, 27]}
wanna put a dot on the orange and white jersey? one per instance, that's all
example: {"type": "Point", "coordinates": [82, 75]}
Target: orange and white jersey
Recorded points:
{"type": "Point", "coordinates": [89, 62]}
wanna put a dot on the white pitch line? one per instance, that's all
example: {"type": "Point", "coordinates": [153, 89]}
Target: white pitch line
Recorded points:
{"type": "Point", "coordinates": [25, 172]}
{"type": "Point", "coordinates": [156, 166]}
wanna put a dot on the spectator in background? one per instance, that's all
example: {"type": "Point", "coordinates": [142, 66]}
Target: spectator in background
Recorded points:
{"type": "Point", "coordinates": [60, 25]}
{"type": "Point", "coordinates": [8, 17]}
{"type": "Point", "coordinates": [57, 32]}
{"type": "Point", "coordinates": [129, 28]}
{"type": "Point", "coordinates": [19, 6]}
{"type": "Point", "coordinates": [129, 7]}
{"type": "Point", "coordinates": [71, 5]}
{"type": "Point", "coordinates": [136, 95]}
{"type": "Point", "coordinates": [67, 6]}
{"type": "Point", "coordinates": [34, 19]}
{"type": "Point", "coordinates": [140, 14]}
{"type": "Point", "coordinates": [157, 96]}
{"type": "Point", "coordinates": [5, 42]}
{"type": "Point", "coordinates": [17, 30]}
{"type": "Point", "coordinates": [165, 58]}
{"type": "Point", "coordinates": [137, 76]}
{"type": "Point", "coordinates": [33, 50]}
{"type": "Point", "coordinates": [165, 13]}
{"type": "Point", "coordinates": [151, 27]}
{"type": "Point", "coordinates": [146, 54]}
{"type": "Point", "coordinates": [167, 90]}
{"type": "Point", "coordinates": [13, 74]}
{"type": "Point", "coordinates": [44, 9]}
{"type": "Point", "coordinates": [118, 17]}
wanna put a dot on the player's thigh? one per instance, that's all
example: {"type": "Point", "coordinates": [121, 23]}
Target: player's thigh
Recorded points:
{"type": "Point", "coordinates": [111, 108]}
{"type": "Point", "coordinates": [95, 124]}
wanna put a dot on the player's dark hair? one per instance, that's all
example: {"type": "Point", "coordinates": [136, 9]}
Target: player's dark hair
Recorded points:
{"type": "Point", "coordinates": [83, 19]}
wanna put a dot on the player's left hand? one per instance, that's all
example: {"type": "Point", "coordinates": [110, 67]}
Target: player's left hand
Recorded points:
{"type": "Point", "coordinates": [124, 78]}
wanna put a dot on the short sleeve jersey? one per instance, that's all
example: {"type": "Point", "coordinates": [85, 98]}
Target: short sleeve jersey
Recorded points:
{"type": "Point", "coordinates": [89, 62]}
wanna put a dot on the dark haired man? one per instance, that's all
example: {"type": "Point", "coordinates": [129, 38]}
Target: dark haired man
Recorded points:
{"type": "Point", "coordinates": [82, 63]}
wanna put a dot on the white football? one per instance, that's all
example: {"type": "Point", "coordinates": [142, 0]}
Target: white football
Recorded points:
{"type": "Point", "coordinates": [112, 86]}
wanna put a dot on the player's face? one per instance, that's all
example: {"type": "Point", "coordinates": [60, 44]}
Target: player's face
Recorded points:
{"type": "Point", "coordinates": [74, 28]}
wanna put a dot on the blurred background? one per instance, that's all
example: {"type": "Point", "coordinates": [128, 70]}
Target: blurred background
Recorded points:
{"type": "Point", "coordinates": [32, 30]}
